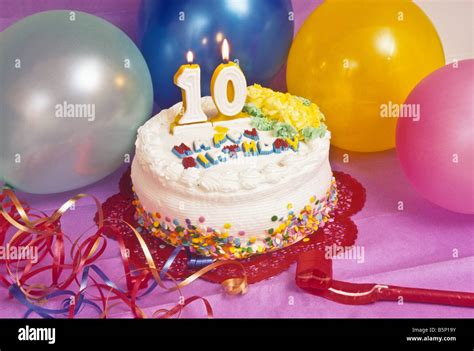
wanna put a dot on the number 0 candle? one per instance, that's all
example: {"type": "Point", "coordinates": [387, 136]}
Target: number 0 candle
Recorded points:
{"type": "Point", "coordinates": [188, 78]}
{"type": "Point", "coordinates": [228, 86]}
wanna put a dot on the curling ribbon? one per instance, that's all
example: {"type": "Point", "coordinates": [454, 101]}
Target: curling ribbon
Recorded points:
{"type": "Point", "coordinates": [314, 275]}
{"type": "Point", "coordinates": [44, 232]}
{"type": "Point", "coordinates": [196, 262]}
{"type": "Point", "coordinates": [193, 262]}
{"type": "Point", "coordinates": [169, 262]}
{"type": "Point", "coordinates": [232, 286]}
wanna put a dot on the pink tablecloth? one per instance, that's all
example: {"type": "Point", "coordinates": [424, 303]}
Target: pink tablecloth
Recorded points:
{"type": "Point", "coordinates": [420, 246]}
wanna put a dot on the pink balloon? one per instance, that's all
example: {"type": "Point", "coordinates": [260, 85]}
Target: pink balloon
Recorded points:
{"type": "Point", "coordinates": [437, 151]}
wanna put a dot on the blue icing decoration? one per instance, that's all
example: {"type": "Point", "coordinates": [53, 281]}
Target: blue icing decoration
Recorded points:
{"type": "Point", "coordinates": [216, 156]}
{"type": "Point", "coordinates": [201, 145]}
{"type": "Point", "coordinates": [264, 148]}
{"type": "Point", "coordinates": [234, 136]}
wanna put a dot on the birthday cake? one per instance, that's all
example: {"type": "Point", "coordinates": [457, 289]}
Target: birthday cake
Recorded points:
{"type": "Point", "coordinates": [230, 189]}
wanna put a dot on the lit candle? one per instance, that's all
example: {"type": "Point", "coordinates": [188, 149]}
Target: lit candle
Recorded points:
{"type": "Point", "coordinates": [188, 78]}
{"type": "Point", "coordinates": [228, 86]}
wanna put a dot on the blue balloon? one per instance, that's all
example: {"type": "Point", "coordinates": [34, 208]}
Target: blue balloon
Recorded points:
{"type": "Point", "coordinates": [260, 33]}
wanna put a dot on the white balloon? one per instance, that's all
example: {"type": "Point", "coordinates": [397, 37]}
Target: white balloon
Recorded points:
{"type": "Point", "coordinates": [72, 94]}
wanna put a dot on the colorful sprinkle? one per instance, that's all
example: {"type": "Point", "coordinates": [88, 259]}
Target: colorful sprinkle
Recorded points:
{"type": "Point", "coordinates": [219, 244]}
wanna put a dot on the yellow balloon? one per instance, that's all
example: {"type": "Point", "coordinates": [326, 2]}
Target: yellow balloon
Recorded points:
{"type": "Point", "coordinates": [358, 60]}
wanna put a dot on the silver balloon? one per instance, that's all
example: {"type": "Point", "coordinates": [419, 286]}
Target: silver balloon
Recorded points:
{"type": "Point", "coordinates": [73, 91]}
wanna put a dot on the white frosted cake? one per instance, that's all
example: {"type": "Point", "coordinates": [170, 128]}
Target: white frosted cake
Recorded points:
{"type": "Point", "coordinates": [233, 189]}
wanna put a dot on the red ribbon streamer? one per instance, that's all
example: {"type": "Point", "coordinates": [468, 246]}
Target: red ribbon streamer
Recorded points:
{"type": "Point", "coordinates": [314, 275]}
{"type": "Point", "coordinates": [44, 232]}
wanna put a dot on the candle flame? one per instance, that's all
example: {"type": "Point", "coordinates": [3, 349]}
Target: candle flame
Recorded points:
{"type": "Point", "coordinates": [190, 56]}
{"type": "Point", "coordinates": [225, 50]}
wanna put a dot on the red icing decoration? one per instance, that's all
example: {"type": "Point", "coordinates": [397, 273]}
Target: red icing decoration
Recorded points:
{"type": "Point", "coordinates": [252, 132]}
{"type": "Point", "coordinates": [280, 143]}
{"type": "Point", "coordinates": [232, 148]}
{"type": "Point", "coordinates": [189, 162]}
{"type": "Point", "coordinates": [340, 230]}
{"type": "Point", "coordinates": [182, 149]}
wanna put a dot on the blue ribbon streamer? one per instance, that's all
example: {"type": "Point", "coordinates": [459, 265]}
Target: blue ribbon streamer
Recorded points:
{"type": "Point", "coordinates": [194, 262]}
{"type": "Point", "coordinates": [169, 262]}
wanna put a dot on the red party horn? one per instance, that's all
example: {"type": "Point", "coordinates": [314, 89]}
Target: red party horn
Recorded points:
{"type": "Point", "coordinates": [314, 275]}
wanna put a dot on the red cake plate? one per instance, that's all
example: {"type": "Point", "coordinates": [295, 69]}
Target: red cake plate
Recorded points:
{"type": "Point", "coordinates": [340, 230]}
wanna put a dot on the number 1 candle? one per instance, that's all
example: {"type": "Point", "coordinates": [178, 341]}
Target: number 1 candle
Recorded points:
{"type": "Point", "coordinates": [188, 78]}
{"type": "Point", "coordinates": [228, 86]}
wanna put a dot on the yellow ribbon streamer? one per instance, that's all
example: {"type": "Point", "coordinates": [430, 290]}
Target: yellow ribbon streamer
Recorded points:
{"type": "Point", "coordinates": [232, 286]}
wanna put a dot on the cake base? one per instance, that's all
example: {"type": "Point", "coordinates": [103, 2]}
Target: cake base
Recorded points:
{"type": "Point", "coordinates": [340, 230]}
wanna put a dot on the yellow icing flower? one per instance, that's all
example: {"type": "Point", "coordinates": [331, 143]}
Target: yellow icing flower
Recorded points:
{"type": "Point", "coordinates": [284, 107]}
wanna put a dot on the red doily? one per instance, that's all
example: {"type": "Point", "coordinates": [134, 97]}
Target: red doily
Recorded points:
{"type": "Point", "coordinates": [340, 230]}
